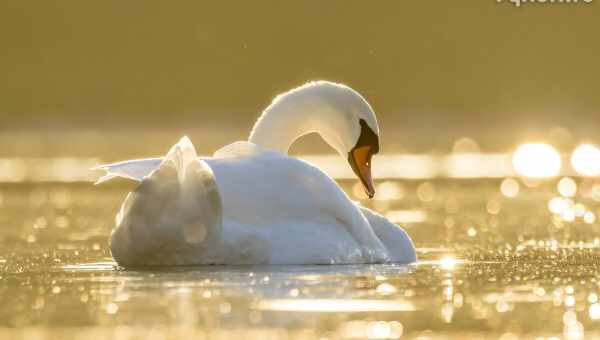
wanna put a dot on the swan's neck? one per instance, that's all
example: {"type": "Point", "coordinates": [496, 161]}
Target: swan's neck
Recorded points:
{"type": "Point", "coordinates": [288, 118]}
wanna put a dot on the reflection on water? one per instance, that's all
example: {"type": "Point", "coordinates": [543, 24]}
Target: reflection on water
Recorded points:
{"type": "Point", "coordinates": [334, 305]}
{"type": "Point", "coordinates": [18, 170]}
{"type": "Point", "coordinates": [528, 160]}
{"type": "Point", "coordinates": [586, 160]}
{"type": "Point", "coordinates": [505, 253]}
{"type": "Point", "coordinates": [537, 160]}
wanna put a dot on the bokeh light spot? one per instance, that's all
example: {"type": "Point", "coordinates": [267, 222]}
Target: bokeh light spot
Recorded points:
{"type": "Point", "coordinates": [586, 160]}
{"type": "Point", "coordinates": [509, 187]}
{"type": "Point", "coordinates": [536, 160]}
{"type": "Point", "coordinates": [448, 263]}
{"type": "Point", "coordinates": [567, 187]}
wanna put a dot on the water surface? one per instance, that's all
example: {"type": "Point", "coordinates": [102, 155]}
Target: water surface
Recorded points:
{"type": "Point", "coordinates": [498, 258]}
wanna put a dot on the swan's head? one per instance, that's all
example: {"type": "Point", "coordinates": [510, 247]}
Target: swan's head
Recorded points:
{"type": "Point", "coordinates": [338, 113]}
{"type": "Point", "coordinates": [350, 127]}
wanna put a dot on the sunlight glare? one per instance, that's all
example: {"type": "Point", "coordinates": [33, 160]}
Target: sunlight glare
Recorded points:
{"type": "Point", "coordinates": [558, 204]}
{"type": "Point", "coordinates": [586, 160]}
{"type": "Point", "coordinates": [448, 263]}
{"type": "Point", "coordinates": [536, 160]}
{"type": "Point", "coordinates": [407, 216]}
{"type": "Point", "coordinates": [334, 305]}
{"type": "Point", "coordinates": [594, 311]}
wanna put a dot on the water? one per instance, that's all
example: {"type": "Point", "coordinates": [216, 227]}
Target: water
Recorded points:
{"type": "Point", "coordinates": [498, 258]}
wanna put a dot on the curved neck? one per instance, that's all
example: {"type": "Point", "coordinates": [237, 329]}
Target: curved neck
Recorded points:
{"type": "Point", "coordinates": [289, 117]}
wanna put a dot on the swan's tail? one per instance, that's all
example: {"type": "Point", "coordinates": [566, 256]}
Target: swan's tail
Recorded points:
{"type": "Point", "coordinates": [174, 217]}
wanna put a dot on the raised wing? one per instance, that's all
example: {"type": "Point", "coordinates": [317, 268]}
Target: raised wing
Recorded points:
{"type": "Point", "coordinates": [174, 217]}
{"type": "Point", "coordinates": [135, 169]}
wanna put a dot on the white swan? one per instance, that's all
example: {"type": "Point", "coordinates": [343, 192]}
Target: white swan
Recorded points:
{"type": "Point", "coordinates": [253, 204]}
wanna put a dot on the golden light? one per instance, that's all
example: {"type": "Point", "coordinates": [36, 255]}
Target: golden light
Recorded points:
{"type": "Point", "coordinates": [589, 217]}
{"type": "Point", "coordinates": [426, 192]}
{"type": "Point", "coordinates": [594, 311]}
{"type": "Point", "coordinates": [465, 145]}
{"type": "Point", "coordinates": [565, 208]}
{"type": "Point", "coordinates": [389, 191]}
{"type": "Point", "coordinates": [536, 160]}
{"type": "Point", "coordinates": [361, 329]}
{"type": "Point", "coordinates": [558, 204]}
{"type": "Point", "coordinates": [386, 289]}
{"type": "Point", "coordinates": [509, 187]}
{"type": "Point", "coordinates": [573, 330]}
{"type": "Point", "coordinates": [568, 215]}
{"type": "Point", "coordinates": [567, 187]}
{"type": "Point", "coordinates": [586, 160]}
{"type": "Point", "coordinates": [378, 330]}
{"type": "Point", "coordinates": [570, 301]}
{"type": "Point", "coordinates": [472, 232]}
{"type": "Point", "coordinates": [334, 305]}
{"type": "Point", "coordinates": [448, 263]}
{"type": "Point", "coordinates": [407, 216]}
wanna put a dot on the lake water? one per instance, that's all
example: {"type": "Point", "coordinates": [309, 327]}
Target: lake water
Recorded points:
{"type": "Point", "coordinates": [499, 258]}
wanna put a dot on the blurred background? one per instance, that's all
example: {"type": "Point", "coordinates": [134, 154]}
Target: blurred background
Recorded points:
{"type": "Point", "coordinates": [434, 71]}
{"type": "Point", "coordinates": [490, 161]}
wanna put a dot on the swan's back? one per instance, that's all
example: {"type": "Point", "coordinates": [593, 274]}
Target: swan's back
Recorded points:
{"type": "Point", "coordinates": [269, 188]}
{"type": "Point", "coordinates": [261, 186]}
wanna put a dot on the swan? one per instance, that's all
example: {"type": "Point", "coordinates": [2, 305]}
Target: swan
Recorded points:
{"type": "Point", "coordinates": [251, 203]}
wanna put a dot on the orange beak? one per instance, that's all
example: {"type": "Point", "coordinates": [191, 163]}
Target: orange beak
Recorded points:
{"type": "Point", "coordinates": [360, 156]}
{"type": "Point", "coordinates": [360, 161]}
